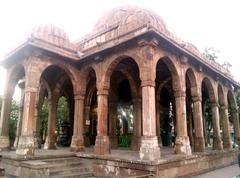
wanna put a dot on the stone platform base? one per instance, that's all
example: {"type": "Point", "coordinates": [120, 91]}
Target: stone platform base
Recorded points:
{"type": "Point", "coordinates": [176, 166]}
{"type": "Point", "coordinates": [120, 163]}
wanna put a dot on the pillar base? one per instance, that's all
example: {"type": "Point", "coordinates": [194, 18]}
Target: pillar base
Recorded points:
{"type": "Point", "coordinates": [182, 145]}
{"type": "Point", "coordinates": [16, 142]}
{"type": "Point", "coordinates": [26, 146]}
{"type": "Point", "coordinates": [102, 145]}
{"type": "Point", "coordinates": [217, 143]}
{"type": "Point", "coordinates": [149, 149]}
{"type": "Point", "coordinates": [227, 143]}
{"type": "Point", "coordinates": [4, 143]}
{"type": "Point", "coordinates": [199, 144]}
{"type": "Point", "coordinates": [136, 143]}
{"type": "Point", "coordinates": [160, 141]}
{"type": "Point", "coordinates": [114, 141]}
{"type": "Point", "coordinates": [77, 144]}
{"type": "Point", "coordinates": [50, 143]}
{"type": "Point", "coordinates": [38, 143]}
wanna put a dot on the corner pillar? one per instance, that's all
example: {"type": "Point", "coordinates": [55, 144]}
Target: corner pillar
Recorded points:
{"type": "Point", "coordinates": [199, 142]}
{"type": "Point", "coordinates": [102, 144]}
{"type": "Point", "coordinates": [50, 142]}
{"type": "Point", "coordinates": [226, 133]}
{"type": "Point", "coordinates": [137, 126]}
{"type": "Point", "coordinates": [20, 116]}
{"type": "Point", "coordinates": [149, 149]}
{"type": "Point", "coordinates": [182, 144]}
{"type": "Point", "coordinates": [77, 143]}
{"type": "Point", "coordinates": [236, 125]}
{"type": "Point", "coordinates": [217, 141]}
{"type": "Point", "coordinates": [112, 124]}
{"type": "Point", "coordinates": [26, 143]}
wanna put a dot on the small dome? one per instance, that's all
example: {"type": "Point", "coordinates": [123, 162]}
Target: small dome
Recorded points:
{"type": "Point", "coordinates": [52, 34]}
{"type": "Point", "coordinates": [128, 16]}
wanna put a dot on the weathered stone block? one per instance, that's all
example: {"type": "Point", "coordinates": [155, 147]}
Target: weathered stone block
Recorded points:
{"type": "Point", "coordinates": [149, 149]}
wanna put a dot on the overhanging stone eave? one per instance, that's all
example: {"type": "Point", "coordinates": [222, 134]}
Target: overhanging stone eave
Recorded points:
{"type": "Point", "coordinates": [37, 44]}
{"type": "Point", "coordinates": [194, 56]}
{"type": "Point", "coordinates": [68, 53]}
{"type": "Point", "coordinates": [115, 42]}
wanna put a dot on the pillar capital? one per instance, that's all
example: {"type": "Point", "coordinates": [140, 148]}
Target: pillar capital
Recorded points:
{"type": "Point", "coordinates": [148, 83]}
{"type": "Point", "coordinates": [196, 99]}
{"type": "Point", "coordinates": [103, 92]}
{"type": "Point", "coordinates": [30, 89]}
{"type": "Point", "coordinates": [214, 104]}
{"type": "Point", "coordinates": [234, 109]}
{"type": "Point", "coordinates": [78, 97]}
{"type": "Point", "coordinates": [179, 93]}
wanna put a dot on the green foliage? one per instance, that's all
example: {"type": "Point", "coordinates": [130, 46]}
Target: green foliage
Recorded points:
{"type": "Point", "coordinates": [211, 53]}
{"type": "Point", "coordinates": [238, 101]}
{"type": "Point", "coordinates": [13, 120]}
{"type": "Point", "coordinates": [44, 117]}
{"type": "Point", "coordinates": [62, 112]}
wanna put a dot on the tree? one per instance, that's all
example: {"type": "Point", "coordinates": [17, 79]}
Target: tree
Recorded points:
{"type": "Point", "coordinates": [13, 120]}
{"type": "Point", "coordinates": [211, 53]}
{"type": "Point", "coordinates": [62, 112]}
{"type": "Point", "coordinates": [238, 101]}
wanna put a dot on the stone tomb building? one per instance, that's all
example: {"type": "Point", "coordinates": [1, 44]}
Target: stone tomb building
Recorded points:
{"type": "Point", "coordinates": [129, 59]}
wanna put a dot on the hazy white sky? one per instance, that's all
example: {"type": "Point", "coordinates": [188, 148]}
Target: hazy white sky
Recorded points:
{"type": "Point", "coordinates": [204, 23]}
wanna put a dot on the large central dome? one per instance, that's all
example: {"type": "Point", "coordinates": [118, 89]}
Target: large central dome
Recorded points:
{"type": "Point", "coordinates": [127, 16]}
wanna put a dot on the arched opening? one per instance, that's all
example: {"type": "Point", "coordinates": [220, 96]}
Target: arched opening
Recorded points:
{"type": "Point", "coordinates": [221, 111]}
{"type": "Point", "coordinates": [57, 100]}
{"type": "Point", "coordinates": [123, 121]}
{"type": "Point", "coordinates": [14, 94]}
{"type": "Point", "coordinates": [90, 110]}
{"type": "Point", "coordinates": [190, 80]}
{"type": "Point", "coordinates": [231, 103]}
{"type": "Point", "coordinates": [207, 99]}
{"type": "Point", "coordinates": [165, 107]}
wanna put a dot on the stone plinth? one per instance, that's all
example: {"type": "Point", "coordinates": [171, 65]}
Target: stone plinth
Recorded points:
{"type": "Point", "coordinates": [102, 145]}
{"type": "Point", "coordinates": [136, 143]}
{"type": "Point", "coordinates": [26, 146]}
{"type": "Point", "coordinates": [217, 143]}
{"type": "Point", "coordinates": [4, 143]}
{"type": "Point", "coordinates": [149, 149]}
{"type": "Point", "coordinates": [199, 144]}
{"type": "Point", "coordinates": [77, 144]}
{"type": "Point", "coordinates": [50, 143]}
{"type": "Point", "coordinates": [182, 145]}
{"type": "Point", "coordinates": [114, 141]}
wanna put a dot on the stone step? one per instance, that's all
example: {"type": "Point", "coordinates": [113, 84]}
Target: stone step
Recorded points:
{"type": "Point", "coordinates": [69, 170]}
{"type": "Point", "coordinates": [58, 166]}
{"type": "Point", "coordinates": [73, 175]}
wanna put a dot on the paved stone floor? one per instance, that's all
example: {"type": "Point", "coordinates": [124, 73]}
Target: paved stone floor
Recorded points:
{"type": "Point", "coordinates": [226, 172]}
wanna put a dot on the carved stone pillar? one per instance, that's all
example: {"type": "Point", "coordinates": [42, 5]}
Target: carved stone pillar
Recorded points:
{"type": "Point", "coordinates": [102, 144]}
{"type": "Point", "coordinates": [20, 115]}
{"type": "Point", "coordinates": [137, 124]}
{"type": "Point", "coordinates": [149, 149]}
{"type": "Point", "coordinates": [26, 143]}
{"type": "Point", "coordinates": [50, 142]}
{"type": "Point", "coordinates": [112, 124]}
{"type": "Point", "coordinates": [4, 123]}
{"type": "Point", "coordinates": [199, 143]}
{"type": "Point", "coordinates": [158, 124]}
{"type": "Point", "coordinates": [182, 144]}
{"type": "Point", "coordinates": [77, 143]}
{"type": "Point", "coordinates": [226, 133]}
{"type": "Point", "coordinates": [217, 141]}
{"type": "Point", "coordinates": [235, 118]}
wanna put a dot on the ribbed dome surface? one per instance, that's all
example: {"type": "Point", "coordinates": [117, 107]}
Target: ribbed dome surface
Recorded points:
{"type": "Point", "coordinates": [52, 34]}
{"type": "Point", "coordinates": [127, 15]}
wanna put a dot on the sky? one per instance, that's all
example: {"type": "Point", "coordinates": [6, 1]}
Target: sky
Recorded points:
{"type": "Point", "coordinates": [204, 23]}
